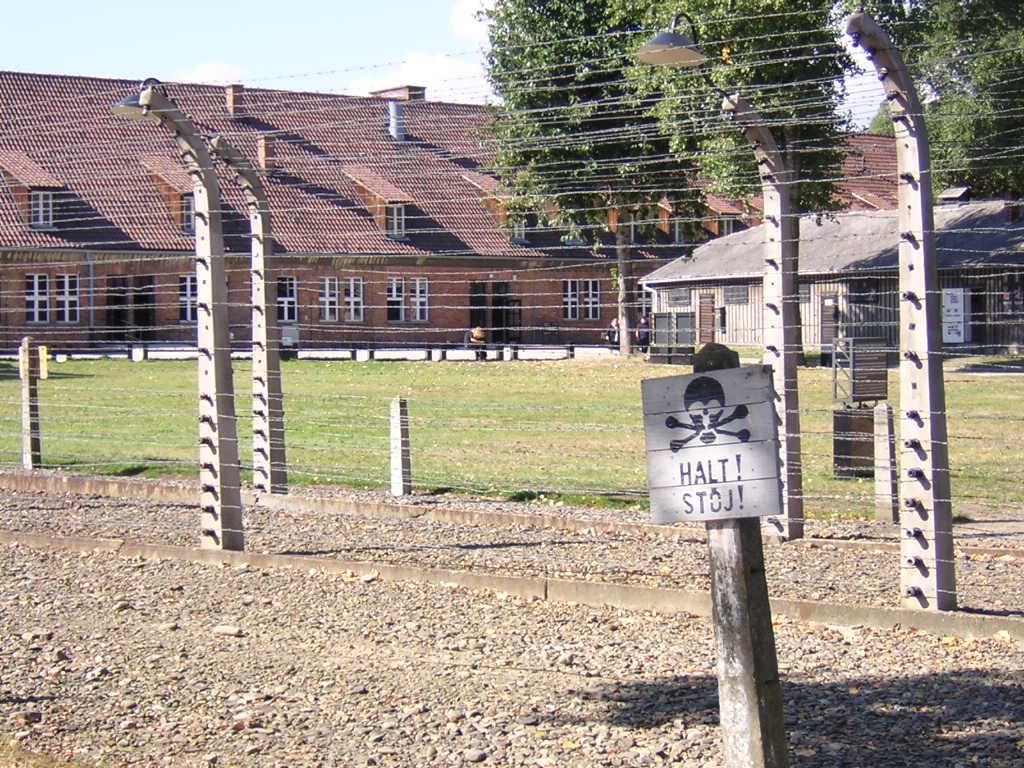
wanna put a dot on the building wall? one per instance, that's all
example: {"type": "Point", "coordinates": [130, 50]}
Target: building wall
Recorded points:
{"type": "Point", "coordinates": [135, 298]}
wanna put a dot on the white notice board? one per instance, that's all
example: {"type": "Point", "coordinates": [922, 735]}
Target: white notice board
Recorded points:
{"type": "Point", "coordinates": [712, 445]}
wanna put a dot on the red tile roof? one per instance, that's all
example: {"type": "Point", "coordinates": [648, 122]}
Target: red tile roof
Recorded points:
{"type": "Point", "coordinates": [63, 127]}
{"type": "Point", "coordinates": [26, 171]}
{"type": "Point", "coordinates": [170, 170]}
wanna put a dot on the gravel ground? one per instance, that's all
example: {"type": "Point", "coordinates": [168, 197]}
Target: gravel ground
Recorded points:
{"type": "Point", "coordinates": [123, 662]}
{"type": "Point", "coordinates": [826, 569]}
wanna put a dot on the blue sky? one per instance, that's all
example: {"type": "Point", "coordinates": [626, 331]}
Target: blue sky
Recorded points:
{"type": "Point", "coordinates": [351, 46]}
{"type": "Point", "coordinates": [346, 46]}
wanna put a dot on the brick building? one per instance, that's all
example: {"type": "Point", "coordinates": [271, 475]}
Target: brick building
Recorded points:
{"type": "Point", "coordinates": [387, 226]}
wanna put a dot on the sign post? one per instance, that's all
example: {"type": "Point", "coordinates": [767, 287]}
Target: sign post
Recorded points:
{"type": "Point", "coordinates": [713, 456]}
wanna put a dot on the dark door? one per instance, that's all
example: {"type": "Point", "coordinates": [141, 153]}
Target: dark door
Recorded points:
{"type": "Point", "coordinates": [706, 318]}
{"type": "Point", "coordinates": [501, 314]}
{"type": "Point", "coordinates": [829, 320]}
{"type": "Point", "coordinates": [143, 308]}
{"type": "Point", "coordinates": [118, 308]}
{"type": "Point", "coordinates": [478, 305]}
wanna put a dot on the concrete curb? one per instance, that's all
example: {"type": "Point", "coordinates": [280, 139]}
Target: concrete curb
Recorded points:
{"type": "Point", "coordinates": [593, 594]}
{"type": "Point", "coordinates": [183, 492]}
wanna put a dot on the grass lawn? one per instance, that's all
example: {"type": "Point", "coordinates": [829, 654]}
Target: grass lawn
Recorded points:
{"type": "Point", "coordinates": [565, 428]}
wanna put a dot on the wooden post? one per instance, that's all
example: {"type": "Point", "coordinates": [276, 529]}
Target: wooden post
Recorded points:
{"type": "Point", "coordinates": [31, 443]}
{"type": "Point", "coordinates": [401, 464]}
{"type": "Point", "coordinates": [886, 486]}
{"type": "Point", "coordinates": [749, 690]}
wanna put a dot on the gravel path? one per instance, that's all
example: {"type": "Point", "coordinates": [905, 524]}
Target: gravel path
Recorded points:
{"type": "Point", "coordinates": [121, 662]}
{"type": "Point", "coordinates": [825, 569]}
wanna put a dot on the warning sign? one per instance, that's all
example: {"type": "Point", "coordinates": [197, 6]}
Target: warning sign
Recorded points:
{"type": "Point", "coordinates": [712, 445]}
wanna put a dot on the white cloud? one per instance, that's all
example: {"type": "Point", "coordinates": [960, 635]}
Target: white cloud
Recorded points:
{"type": "Point", "coordinates": [446, 78]}
{"type": "Point", "coordinates": [211, 72]}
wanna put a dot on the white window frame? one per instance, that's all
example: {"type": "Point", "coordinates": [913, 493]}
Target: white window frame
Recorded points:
{"type": "Point", "coordinates": [570, 299]}
{"type": "Point", "coordinates": [40, 209]}
{"type": "Point", "coordinates": [68, 299]}
{"type": "Point", "coordinates": [188, 299]}
{"type": "Point", "coordinates": [590, 293]}
{"type": "Point", "coordinates": [517, 230]}
{"type": "Point", "coordinates": [727, 225]}
{"type": "Point", "coordinates": [188, 214]}
{"type": "Point", "coordinates": [354, 308]}
{"type": "Point", "coordinates": [679, 231]}
{"type": "Point", "coordinates": [330, 300]}
{"type": "Point", "coordinates": [396, 220]}
{"type": "Point", "coordinates": [37, 299]}
{"type": "Point", "coordinates": [288, 299]}
{"type": "Point", "coordinates": [396, 299]}
{"type": "Point", "coordinates": [420, 300]}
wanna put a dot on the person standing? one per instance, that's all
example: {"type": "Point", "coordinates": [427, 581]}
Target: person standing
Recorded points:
{"type": "Point", "coordinates": [643, 335]}
{"type": "Point", "coordinates": [612, 334]}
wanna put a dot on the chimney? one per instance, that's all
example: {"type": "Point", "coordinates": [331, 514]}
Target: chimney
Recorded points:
{"type": "Point", "coordinates": [402, 93]}
{"type": "Point", "coordinates": [396, 120]}
{"type": "Point", "coordinates": [233, 100]}
{"type": "Point", "coordinates": [265, 152]}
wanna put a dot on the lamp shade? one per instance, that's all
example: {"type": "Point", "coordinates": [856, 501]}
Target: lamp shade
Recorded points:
{"type": "Point", "coordinates": [670, 49]}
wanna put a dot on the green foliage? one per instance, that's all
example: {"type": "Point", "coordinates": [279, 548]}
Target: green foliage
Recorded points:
{"type": "Point", "coordinates": [784, 56]}
{"type": "Point", "coordinates": [881, 123]}
{"type": "Point", "coordinates": [967, 59]}
{"type": "Point", "coordinates": [572, 129]}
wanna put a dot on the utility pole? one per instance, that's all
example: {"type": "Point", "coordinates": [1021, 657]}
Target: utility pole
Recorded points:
{"type": "Point", "coordinates": [220, 499]}
{"type": "Point", "coordinates": [782, 333]}
{"type": "Point", "coordinates": [927, 572]}
{"type": "Point", "coordinates": [269, 465]}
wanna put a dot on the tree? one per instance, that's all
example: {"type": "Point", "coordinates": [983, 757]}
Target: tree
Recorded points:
{"type": "Point", "coordinates": [968, 58]}
{"type": "Point", "coordinates": [786, 58]}
{"type": "Point", "coordinates": [575, 137]}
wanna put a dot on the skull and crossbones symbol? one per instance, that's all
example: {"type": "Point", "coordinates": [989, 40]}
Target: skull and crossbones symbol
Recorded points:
{"type": "Point", "coordinates": [704, 400]}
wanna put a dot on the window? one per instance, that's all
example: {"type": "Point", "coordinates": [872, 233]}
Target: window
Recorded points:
{"type": "Point", "coordinates": [330, 305]}
{"type": "Point", "coordinates": [420, 300]}
{"type": "Point", "coordinates": [864, 291]}
{"type": "Point", "coordinates": [396, 300]}
{"type": "Point", "coordinates": [581, 299]}
{"type": "Point", "coordinates": [396, 220]}
{"type": "Point", "coordinates": [188, 298]}
{"type": "Point", "coordinates": [354, 300]}
{"type": "Point", "coordinates": [517, 230]}
{"type": "Point", "coordinates": [677, 297]}
{"type": "Point", "coordinates": [804, 290]}
{"type": "Point", "coordinates": [287, 299]}
{"type": "Point", "coordinates": [188, 214]}
{"type": "Point", "coordinates": [37, 298]}
{"type": "Point", "coordinates": [737, 294]}
{"type": "Point", "coordinates": [67, 300]}
{"type": "Point", "coordinates": [727, 225]}
{"type": "Point", "coordinates": [591, 292]}
{"type": "Point", "coordinates": [571, 299]}
{"type": "Point", "coordinates": [40, 209]}
{"type": "Point", "coordinates": [679, 232]}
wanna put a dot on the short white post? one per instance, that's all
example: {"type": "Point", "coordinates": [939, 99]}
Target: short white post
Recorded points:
{"type": "Point", "coordinates": [31, 443]}
{"type": "Point", "coordinates": [886, 486]}
{"type": "Point", "coordinates": [401, 464]}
